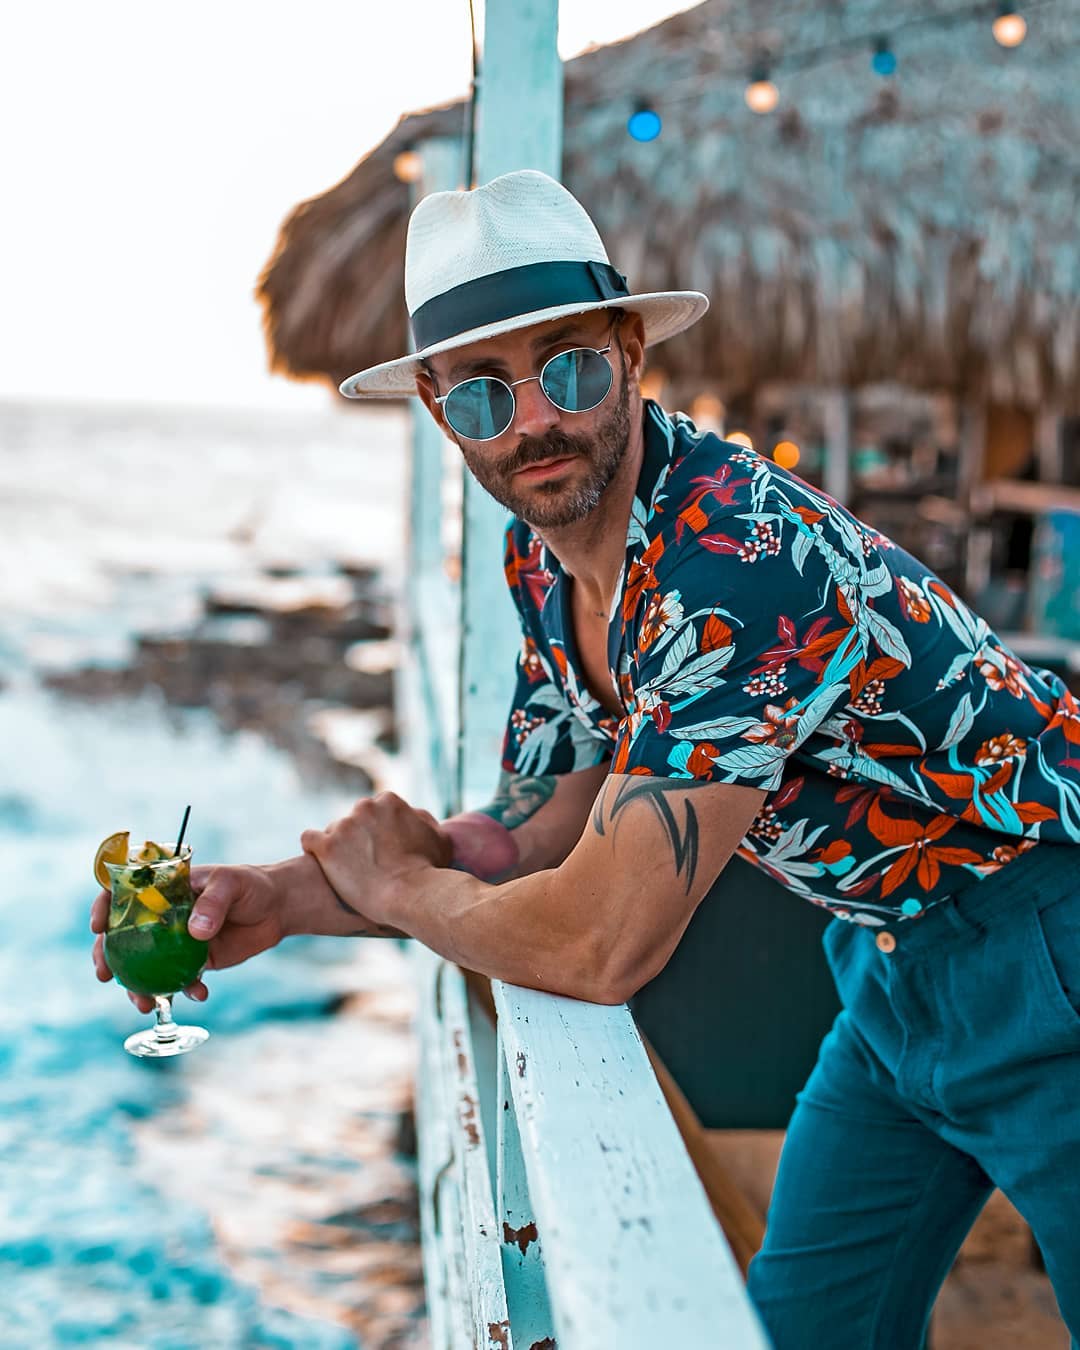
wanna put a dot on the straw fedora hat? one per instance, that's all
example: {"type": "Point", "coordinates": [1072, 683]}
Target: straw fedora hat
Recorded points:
{"type": "Point", "coordinates": [517, 251]}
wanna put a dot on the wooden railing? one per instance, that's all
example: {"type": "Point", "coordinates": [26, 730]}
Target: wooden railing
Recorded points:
{"type": "Point", "coordinates": [559, 1206]}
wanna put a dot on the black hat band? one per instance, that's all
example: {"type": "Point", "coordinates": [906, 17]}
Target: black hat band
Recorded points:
{"type": "Point", "coordinates": [509, 294]}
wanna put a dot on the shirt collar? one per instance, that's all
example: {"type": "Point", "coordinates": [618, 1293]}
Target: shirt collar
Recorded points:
{"type": "Point", "coordinates": [659, 435]}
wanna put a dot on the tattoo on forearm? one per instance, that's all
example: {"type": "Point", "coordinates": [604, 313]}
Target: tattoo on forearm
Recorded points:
{"type": "Point", "coordinates": [518, 797]}
{"type": "Point", "coordinates": [655, 792]}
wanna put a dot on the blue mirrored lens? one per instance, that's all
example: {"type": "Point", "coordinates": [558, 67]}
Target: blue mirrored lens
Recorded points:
{"type": "Point", "coordinates": [576, 381]}
{"type": "Point", "coordinates": [480, 409]}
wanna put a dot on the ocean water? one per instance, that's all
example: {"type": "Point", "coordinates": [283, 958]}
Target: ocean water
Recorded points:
{"type": "Point", "coordinates": [190, 1203]}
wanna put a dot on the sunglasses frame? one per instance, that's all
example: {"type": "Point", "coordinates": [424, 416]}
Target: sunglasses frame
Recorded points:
{"type": "Point", "coordinates": [511, 385]}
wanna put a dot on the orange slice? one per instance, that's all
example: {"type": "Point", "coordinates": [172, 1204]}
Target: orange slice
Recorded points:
{"type": "Point", "coordinates": [112, 850]}
{"type": "Point", "coordinates": [151, 898]}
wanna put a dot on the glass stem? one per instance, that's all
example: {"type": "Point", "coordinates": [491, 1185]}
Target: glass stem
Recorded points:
{"type": "Point", "coordinates": [165, 1028]}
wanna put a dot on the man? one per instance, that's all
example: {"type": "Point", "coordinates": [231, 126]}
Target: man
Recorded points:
{"type": "Point", "coordinates": [718, 657]}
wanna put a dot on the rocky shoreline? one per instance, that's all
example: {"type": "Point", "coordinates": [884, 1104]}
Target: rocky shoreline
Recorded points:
{"type": "Point", "coordinates": [305, 659]}
{"type": "Point", "coordinates": [289, 654]}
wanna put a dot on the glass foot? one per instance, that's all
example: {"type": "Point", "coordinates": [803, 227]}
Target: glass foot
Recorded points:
{"type": "Point", "coordinates": [149, 1045]}
{"type": "Point", "coordinates": [165, 1038]}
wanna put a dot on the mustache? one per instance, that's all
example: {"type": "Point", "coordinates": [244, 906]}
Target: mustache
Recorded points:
{"type": "Point", "coordinates": [535, 450]}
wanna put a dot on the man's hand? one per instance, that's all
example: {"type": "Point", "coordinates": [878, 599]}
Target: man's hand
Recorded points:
{"type": "Point", "coordinates": [240, 910]}
{"type": "Point", "coordinates": [380, 846]}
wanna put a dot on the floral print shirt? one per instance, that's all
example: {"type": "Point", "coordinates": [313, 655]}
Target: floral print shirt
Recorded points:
{"type": "Point", "coordinates": [763, 635]}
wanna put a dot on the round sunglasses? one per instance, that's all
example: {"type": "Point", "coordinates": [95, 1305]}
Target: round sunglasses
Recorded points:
{"type": "Point", "coordinates": [482, 407]}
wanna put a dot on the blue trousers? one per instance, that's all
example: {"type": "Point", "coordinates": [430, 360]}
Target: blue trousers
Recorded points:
{"type": "Point", "coordinates": [954, 1067]}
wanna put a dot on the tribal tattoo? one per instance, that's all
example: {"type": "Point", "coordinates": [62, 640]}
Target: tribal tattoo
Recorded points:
{"type": "Point", "coordinates": [518, 797]}
{"type": "Point", "coordinates": [654, 791]}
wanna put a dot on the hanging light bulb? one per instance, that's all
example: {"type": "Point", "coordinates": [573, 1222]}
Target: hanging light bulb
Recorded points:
{"type": "Point", "coordinates": [1010, 27]}
{"type": "Point", "coordinates": [408, 166]}
{"type": "Point", "coordinates": [740, 438]}
{"type": "Point", "coordinates": [761, 95]}
{"type": "Point", "coordinates": [786, 454]}
{"type": "Point", "coordinates": [883, 61]}
{"type": "Point", "coordinates": [645, 123]}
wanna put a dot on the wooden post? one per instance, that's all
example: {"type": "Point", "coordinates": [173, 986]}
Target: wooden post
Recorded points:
{"type": "Point", "coordinates": [519, 126]}
{"type": "Point", "coordinates": [443, 167]}
{"type": "Point", "coordinates": [1050, 446]}
{"type": "Point", "coordinates": [969, 475]}
{"type": "Point", "coordinates": [427, 684]}
{"type": "Point", "coordinates": [836, 477]}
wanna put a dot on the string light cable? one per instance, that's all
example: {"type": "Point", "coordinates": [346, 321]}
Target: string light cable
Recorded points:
{"type": "Point", "coordinates": [762, 93]}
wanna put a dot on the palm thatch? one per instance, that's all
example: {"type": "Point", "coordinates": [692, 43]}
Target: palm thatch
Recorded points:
{"type": "Point", "coordinates": [921, 228]}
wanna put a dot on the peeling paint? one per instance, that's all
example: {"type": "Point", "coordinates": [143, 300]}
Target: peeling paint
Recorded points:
{"type": "Point", "coordinates": [467, 1112]}
{"type": "Point", "coordinates": [520, 1237]}
{"type": "Point", "coordinates": [462, 1058]}
{"type": "Point", "coordinates": [548, 1343]}
{"type": "Point", "coordinates": [499, 1334]}
{"type": "Point", "coordinates": [521, 1063]}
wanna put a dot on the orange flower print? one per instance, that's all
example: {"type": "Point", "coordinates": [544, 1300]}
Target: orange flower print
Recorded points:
{"type": "Point", "coordinates": [998, 748]}
{"type": "Point", "coordinates": [701, 760]}
{"type": "Point", "coordinates": [641, 577]}
{"type": "Point", "coordinates": [1008, 675]}
{"type": "Point", "coordinates": [1067, 717]}
{"type": "Point", "coordinates": [777, 729]}
{"type": "Point", "coordinates": [531, 663]}
{"type": "Point", "coordinates": [922, 854]}
{"type": "Point", "coordinates": [912, 601]}
{"type": "Point", "coordinates": [1004, 853]}
{"type": "Point", "coordinates": [766, 826]}
{"type": "Point", "coordinates": [661, 611]}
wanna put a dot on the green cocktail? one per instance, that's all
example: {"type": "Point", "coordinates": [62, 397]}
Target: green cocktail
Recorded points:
{"type": "Point", "coordinates": [148, 947]}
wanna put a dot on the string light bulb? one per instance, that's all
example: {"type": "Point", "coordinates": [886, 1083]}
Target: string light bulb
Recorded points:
{"type": "Point", "coordinates": [408, 166]}
{"type": "Point", "coordinates": [707, 412]}
{"type": "Point", "coordinates": [645, 123]}
{"type": "Point", "coordinates": [740, 438]}
{"type": "Point", "coordinates": [883, 61]}
{"type": "Point", "coordinates": [1010, 27]}
{"type": "Point", "coordinates": [786, 454]}
{"type": "Point", "coordinates": [761, 95]}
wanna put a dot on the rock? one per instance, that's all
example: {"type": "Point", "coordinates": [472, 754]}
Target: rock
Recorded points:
{"type": "Point", "coordinates": [270, 656]}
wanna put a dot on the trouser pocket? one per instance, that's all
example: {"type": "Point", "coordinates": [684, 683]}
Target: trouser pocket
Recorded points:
{"type": "Point", "coordinates": [1057, 932]}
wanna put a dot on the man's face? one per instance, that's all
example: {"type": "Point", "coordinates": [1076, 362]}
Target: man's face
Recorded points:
{"type": "Point", "coordinates": [548, 467]}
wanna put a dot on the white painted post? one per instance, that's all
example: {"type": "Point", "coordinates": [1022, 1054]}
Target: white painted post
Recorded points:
{"type": "Point", "coordinates": [429, 680]}
{"type": "Point", "coordinates": [443, 168]}
{"type": "Point", "coordinates": [519, 126]}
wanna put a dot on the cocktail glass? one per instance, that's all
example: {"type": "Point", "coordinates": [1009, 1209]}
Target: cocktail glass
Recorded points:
{"type": "Point", "coordinates": [149, 949]}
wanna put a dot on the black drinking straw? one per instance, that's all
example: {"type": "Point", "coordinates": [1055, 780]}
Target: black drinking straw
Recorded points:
{"type": "Point", "coordinates": [183, 827]}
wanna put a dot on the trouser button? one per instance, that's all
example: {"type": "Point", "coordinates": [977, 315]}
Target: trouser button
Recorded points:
{"type": "Point", "coordinates": [885, 942]}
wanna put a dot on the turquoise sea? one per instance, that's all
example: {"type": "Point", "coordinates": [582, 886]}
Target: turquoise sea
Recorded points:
{"type": "Point", "coordinates": [217, 1200]}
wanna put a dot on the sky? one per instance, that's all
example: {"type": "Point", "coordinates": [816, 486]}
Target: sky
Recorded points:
{"type": "Point", "coordinates": [149, 153]}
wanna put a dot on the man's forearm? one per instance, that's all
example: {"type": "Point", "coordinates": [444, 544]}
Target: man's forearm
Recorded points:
{"type": "Point", "coordinates": [519, 931]}
{"type": "Point", "coordinates": [311, 905]}
{"type": "Point", "coordinates": [531, 931]}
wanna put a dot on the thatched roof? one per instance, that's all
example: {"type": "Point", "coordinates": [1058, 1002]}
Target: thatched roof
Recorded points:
{"type": "Point", "coordinates": [923, 228]}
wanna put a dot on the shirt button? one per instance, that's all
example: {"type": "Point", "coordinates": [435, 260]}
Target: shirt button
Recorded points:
{"type": "Point", "coordinates": [885, 942]}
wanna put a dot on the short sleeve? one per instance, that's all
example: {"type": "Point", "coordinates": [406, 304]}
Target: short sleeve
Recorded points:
{"type": "Point", "coordinates": [745, 637]}
{"type": "Point", "coordinates": [544, 733]}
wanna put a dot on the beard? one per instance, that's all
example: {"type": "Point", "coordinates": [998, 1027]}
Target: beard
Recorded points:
{"type": "Point", "coordinates": [554, 504]}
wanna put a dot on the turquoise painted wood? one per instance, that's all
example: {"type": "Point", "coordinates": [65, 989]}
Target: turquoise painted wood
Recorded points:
{"type": "Point", "coordinates": [632, 1254]}
{"type": "Point", "coordinates": [522, 1248]}
{"type": "Point", "coordinates": [519, 126]}
{"type": "Point", "coordinates": [558, 1205]}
